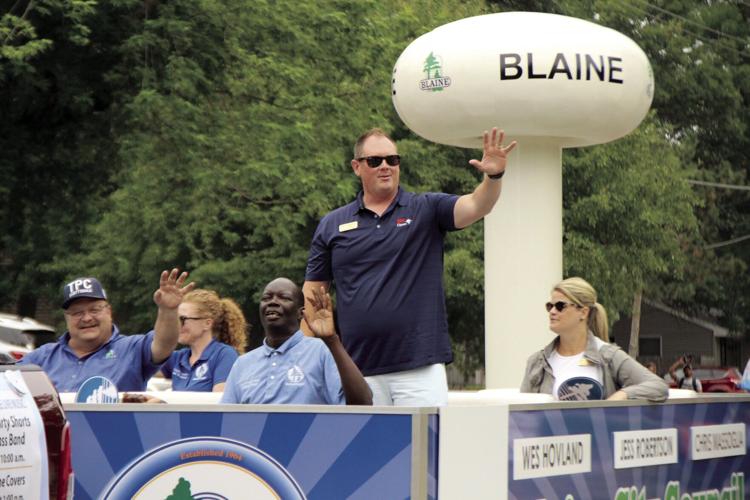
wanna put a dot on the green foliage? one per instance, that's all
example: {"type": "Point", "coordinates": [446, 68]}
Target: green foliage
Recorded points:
{"type": "Point", "coordinates": [55, 152]}
{"type": "Point", "coordinates": [629, 216]}
{"type": "Point", "coordinates": [135, 136]}
{"type": "Point", "coordinates": [700, 53]}
{"type": "Point", "coordinates": [239, 140]}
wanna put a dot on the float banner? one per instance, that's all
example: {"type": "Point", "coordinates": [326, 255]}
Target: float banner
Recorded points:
{"type": "Point", "coordinates": [675, 451]}
{"type": "Point", "coordinates": [138, 454]}
{"type": "Point", "coordinates": [23, 447]}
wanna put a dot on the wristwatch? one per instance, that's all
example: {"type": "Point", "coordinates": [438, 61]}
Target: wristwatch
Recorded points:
{"type": "Point", "coordinates": [496, 176]}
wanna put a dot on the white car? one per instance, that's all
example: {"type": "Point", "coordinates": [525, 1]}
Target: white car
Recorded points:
{"type": "Point", "coordinates": [25, 332]}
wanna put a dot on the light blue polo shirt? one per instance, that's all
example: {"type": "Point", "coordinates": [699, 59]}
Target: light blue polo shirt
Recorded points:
{"type": "Point", "coordinates": [123, 359]}
{"type": "Point", "coordinates": [301, 371]}
{"type": "Point", "coordinates": [210, 369]}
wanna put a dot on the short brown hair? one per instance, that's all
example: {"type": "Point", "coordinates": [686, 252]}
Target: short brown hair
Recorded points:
{"type": "Point", "coordinates": [370, 133]}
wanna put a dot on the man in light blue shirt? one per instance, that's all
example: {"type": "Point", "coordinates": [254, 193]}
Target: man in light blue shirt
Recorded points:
{"type": "Point", "coordinates": [93, 345]}
{"type": "Point", "coordinates": [290, 368]}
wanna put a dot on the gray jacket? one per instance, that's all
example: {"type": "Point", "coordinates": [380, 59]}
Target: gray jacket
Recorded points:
{"type": "Point", "coordinates": [619, 372]}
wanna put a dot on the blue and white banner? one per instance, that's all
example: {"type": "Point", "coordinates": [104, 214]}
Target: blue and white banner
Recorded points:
{"type": "Point", "coordinates": [669, 451]}
{"type": "Point", "coordinates": [216, 454]}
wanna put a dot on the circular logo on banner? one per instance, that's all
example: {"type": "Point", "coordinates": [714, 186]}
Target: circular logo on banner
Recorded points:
{"type": "Point", "coordinates": [207, 468]}
{"type": "Point", "coordinates": [580, 389]}
{"type": "Point", "coordinates": [97, 390]}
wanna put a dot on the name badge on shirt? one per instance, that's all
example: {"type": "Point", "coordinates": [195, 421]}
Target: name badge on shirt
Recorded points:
{"type": "Point", "coordinates": [347, 226]}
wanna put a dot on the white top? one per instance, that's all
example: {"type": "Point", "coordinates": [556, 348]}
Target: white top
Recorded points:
{"type": "Point", "coordinates": [687, 383]}
{"type": "Point", "coordinates": [576, 378]}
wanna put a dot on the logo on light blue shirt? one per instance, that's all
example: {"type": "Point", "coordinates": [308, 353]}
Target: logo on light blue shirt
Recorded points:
{"type": "Point", "coordinates": [295, 375]}
{"type": "Point", "coordinates": [110, 354]}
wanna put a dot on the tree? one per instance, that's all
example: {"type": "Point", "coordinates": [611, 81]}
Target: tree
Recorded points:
{"type": "Point", "coordinates": [628, 216]}
{"type": "Point", "coordinates": [56, 155]}
{"type": "Point", "coordinates": [214, 135]}
{"type": "Point", "coordinates": [239, 140]}
{"type": "Point", "coordinates": [701, 58]}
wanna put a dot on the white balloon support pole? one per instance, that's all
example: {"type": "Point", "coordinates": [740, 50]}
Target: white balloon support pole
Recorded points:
{"type": "Point", "coordinates": [523, 260]}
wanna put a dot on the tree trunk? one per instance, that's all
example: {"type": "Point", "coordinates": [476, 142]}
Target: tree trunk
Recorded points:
{"type": "Point", "coordinates": [635, 324]}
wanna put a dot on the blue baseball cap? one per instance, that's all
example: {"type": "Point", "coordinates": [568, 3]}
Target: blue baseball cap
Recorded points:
{"type": "Point", "coordinates": [82, 288]}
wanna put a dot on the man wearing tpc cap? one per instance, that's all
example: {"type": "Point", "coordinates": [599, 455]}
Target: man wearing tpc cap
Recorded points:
{"type": "Point", "coordinates": [94, 346]}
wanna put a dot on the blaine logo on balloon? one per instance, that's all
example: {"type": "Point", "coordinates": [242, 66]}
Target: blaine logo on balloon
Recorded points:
{"type": "Point", "coordinates": [567, 81]}
{"type": "Point", "coordinates": [581, 67]}
{"type": "Point", "coordinates": [435, 80]}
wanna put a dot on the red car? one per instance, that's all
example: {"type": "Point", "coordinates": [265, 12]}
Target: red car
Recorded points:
{"type": "Point", "coordinates": [714, 378]}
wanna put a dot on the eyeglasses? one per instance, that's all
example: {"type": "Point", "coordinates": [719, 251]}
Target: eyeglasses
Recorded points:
{"type": "Point", "coordinates": [94, 311]}
{"type": "Point", "coordinates": [375, 161]}
{"type": "Point", "coordinates": [185, 318]}
{"type": "Point", "coordinates": [559, 305]}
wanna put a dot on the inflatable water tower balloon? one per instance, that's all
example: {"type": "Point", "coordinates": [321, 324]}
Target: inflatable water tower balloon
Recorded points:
{"type": "Point", "coordinates": [550, 82]}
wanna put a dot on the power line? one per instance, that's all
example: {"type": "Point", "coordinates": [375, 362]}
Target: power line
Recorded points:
{"type": "Point", "coordinates": [719, 185]}
{"type": "Point", "coordinates": [690, 21]}
{"type": "Point", "coordinates": [729, 242]}
{"type": "Point", "coordinates": [709, 41]}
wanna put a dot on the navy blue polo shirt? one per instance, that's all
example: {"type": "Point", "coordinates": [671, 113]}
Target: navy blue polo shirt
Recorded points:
{"type": "Point", "coordinates": [123, 359]}
{"type": "Point", "coordinates": [211, 368]}
{"type": "Point", "coordinates": [388, 273]}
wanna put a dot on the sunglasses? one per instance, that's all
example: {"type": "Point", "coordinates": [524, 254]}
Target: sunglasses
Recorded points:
{"type": "Point", "coordinates": [375, 161]}
{"type": "Point", "coordinates": [559, 305]}
{"type": "Point", "coordinates": [183, 319]}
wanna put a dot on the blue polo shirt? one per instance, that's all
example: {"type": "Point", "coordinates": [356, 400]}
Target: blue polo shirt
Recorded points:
{"type": "Point", "coordinates": [301, 371]}
{"type": "Point", "coordinates": [210, 369]}
{"type": "Point", "coordinates": [388, 273]}
{"type": "Point", "coordinates": [123, 359]}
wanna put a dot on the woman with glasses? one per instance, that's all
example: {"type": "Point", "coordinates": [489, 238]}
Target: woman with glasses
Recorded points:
{"type": "Point", "coordinates": [214, 331]}
{"type": "Point", "coordinates": [580, 363]}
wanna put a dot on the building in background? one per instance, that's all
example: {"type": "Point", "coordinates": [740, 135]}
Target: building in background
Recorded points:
{"type": "Point", "coordinates": [666, 334]}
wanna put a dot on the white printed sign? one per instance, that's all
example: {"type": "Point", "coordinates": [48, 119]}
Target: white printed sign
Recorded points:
{"type": "Point", "coordinates": [23, 448]}
{"type": "Point", "coordinates": [551, 456]}
{"type": "Point", "coordinates": [644, 448]}
{"type": "Point", "coordinates": [715, 441]}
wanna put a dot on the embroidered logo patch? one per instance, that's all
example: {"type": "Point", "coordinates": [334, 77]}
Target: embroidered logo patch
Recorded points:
{"type": "Point", "coordinates": [402, 221]}
{"type": "Point", "coordinates": [295, 375]}
{"type": "Point", "coordinates": [201, 372]}
{"type": "Point", "coordinates": [110, 355]}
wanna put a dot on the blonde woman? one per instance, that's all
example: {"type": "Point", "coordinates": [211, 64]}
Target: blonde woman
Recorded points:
{"type": "Point", "coordinates": [580, 363]}
{"type": "Point", "coordinates": [215, 332]}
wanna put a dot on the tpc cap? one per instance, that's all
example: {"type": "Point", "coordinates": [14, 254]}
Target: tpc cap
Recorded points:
{"type": "Point", "coordinates": [82, 288]}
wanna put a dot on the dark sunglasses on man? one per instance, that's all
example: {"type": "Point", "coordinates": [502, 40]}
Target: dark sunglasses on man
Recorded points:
{"type": "Point", "coordinates": [559, 305]}
{"type": "Point", "coordinates": [375, 161]}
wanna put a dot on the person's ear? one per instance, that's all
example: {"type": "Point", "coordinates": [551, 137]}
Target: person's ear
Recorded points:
{"type": "Point", "coordinates": [355, 167]}
{"type": "Point", "coordinates": [585, 313]}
